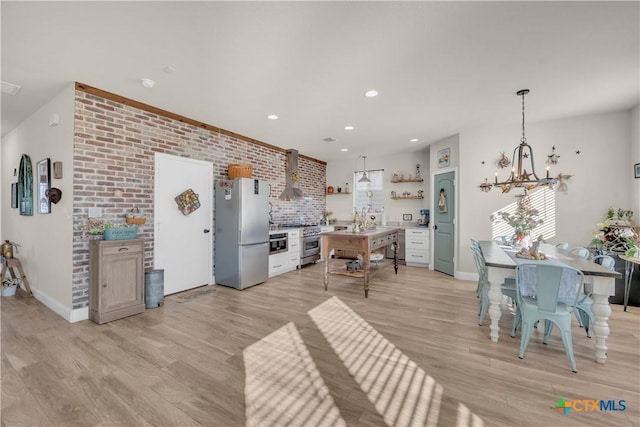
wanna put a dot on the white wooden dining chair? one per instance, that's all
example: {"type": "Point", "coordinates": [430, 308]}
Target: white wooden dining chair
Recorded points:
{"type": "Point", "coordinates": [562, 245]}
{"type": "Point", "coordinates": [580, 252]}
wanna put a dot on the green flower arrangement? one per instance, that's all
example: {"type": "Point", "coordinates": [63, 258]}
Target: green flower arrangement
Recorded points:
{"type": "Point", "coordinates": [523, 220]}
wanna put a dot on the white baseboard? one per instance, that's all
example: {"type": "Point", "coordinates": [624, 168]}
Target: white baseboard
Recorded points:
{"type": "Point", "coordinates": [65, 312]}
{"type": "Point", "coordinates": [463, 275]}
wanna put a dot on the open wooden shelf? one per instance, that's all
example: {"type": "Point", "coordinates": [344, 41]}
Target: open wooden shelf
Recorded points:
{"type": "Point", "coordinates": [407, 198]}
{"type": "Point", "coordinates": [336, 193]}
{"type": "Point", "coordinates": [407, 180]}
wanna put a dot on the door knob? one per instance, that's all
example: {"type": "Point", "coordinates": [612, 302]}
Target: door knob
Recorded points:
{"type": "Point", "coordinates": [435, 227]}
{"type": "Point", "coordinates": [206, 230]}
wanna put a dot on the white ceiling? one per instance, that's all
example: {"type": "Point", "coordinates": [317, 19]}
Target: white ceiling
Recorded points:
{"type": "Point", "coordinates": [440, 67]}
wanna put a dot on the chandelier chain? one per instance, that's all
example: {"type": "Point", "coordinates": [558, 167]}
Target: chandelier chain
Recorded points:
{"type": "Point", "coordinates": [524, 139]}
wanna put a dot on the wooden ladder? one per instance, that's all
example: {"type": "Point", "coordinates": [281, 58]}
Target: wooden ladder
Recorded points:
{"type": "Point", "coordinates": [11, 263]}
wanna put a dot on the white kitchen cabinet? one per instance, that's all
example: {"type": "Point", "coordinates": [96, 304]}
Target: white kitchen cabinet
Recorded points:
{"type": "Point", "coordinates": [278, 263]}
{"type": "Point", "coordinates": [417, 246]}
{"type": "Point", "coordinates": [294, 249]}
{"type": "Point", "coordinates": [289, 260]}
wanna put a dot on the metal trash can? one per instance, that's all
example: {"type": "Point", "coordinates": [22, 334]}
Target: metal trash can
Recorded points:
{"type": "Point", "coordinates": [153, 288]}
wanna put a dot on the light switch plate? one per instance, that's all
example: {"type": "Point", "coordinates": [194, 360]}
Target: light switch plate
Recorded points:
{"type": "Point", "coordinates": [57, 170]}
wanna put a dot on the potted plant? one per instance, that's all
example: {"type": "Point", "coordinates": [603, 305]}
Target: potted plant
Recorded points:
{"type": "Point", "coordinates": [9, 287]}
{"type": "Point", "coordinates": [110, 230]}
{"type": "Point", "coordinates": [634, 247]}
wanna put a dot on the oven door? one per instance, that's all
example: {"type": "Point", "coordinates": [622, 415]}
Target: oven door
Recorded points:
{"type": "Point", "coordinates": [310, 246]}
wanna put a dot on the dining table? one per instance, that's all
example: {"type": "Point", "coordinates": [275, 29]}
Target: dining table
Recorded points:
{"type": "Point", "coordinates": [598, 280]}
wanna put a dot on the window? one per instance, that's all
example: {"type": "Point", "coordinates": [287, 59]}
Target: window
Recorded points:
{"type": "Point", "coordinates": [544, 200]}
{"type": "Point", "coordinates": [369, 195]}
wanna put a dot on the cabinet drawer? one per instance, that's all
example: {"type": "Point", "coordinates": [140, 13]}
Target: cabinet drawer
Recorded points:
{"type": "Point", "coordinates": [417, 257]}
{"type": "Point", "coordinates": [122, 248]}
{"type": "Point", "coordinates": [416, 243]}
{"type": "Point", "coordinates": [294, 234]}
{"type": "Point", "coordinates": [417, 232]}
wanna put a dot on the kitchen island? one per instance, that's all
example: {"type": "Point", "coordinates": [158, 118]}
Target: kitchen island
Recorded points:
{"type": "Point", "coordinates": [363, 243]}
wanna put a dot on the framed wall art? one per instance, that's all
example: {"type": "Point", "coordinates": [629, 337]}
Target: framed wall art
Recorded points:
{"type": "Point", "coordinates": [43, 174]}
{"type": "Point", "coordinates": [443, 157]}
{"type": "Point", "coordinates": [25, 186]}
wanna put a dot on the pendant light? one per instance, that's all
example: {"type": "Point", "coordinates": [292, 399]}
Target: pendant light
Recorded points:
{"type": "Point", "coordinates": [364, 178]}
{"type": "Point", "coordinates": [519, 176]}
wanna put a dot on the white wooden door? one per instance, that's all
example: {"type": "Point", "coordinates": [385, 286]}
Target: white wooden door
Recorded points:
{"type": "Point", "coordinates": [183, 245]}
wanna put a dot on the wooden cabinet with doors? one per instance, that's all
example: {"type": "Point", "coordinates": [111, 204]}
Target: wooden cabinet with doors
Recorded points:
{"type": "Point", "coordinates": [116, 279]}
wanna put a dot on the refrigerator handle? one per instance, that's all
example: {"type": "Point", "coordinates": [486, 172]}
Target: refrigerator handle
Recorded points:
{"type": "Point", "coordinates": [239, 235]}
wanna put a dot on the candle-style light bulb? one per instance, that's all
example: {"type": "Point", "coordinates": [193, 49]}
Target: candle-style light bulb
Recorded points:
{"type": "Point", "coordinates": [496, 176]}
{"type": "Point", "coordinates": [547, 171]}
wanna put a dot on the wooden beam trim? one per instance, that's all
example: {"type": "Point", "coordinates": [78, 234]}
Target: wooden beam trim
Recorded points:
{"type": "Point", "coordinates": [151, 109]}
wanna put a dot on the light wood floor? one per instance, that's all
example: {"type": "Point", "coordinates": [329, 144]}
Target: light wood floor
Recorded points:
{"type": "Point", "coordinates": [182, 364]}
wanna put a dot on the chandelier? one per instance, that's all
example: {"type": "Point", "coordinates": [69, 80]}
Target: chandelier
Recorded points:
{"type": "Point", "coordinates": [522, 158]}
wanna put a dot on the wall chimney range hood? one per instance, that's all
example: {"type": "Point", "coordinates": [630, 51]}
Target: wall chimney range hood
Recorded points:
{"type": "Point", "coordinates": [292, 189]}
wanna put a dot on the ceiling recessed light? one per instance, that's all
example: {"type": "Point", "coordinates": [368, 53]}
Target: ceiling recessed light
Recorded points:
{"type": "Point", "coordinates": [344, 149]}
{"type": "Point", "coordinates": [349, 127]}
{"type": "Point", "coordinates": [329, 139]}
{"type": "Point", "coordinates": [413, 140]}
{"type": "Point", "coordinates": [148, 83]}
{"type": "Point", "coordinates": [272, 117]}
{"type": "Point", "coordinates": [371, 93]}
{"type": "Point", "coordinates": [10, 88]}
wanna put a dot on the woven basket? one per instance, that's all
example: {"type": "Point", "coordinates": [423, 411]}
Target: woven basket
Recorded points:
{"type": "Point", "coordinates": [135, 221]}
{"type": "Point", "coordinates": [239, 170]}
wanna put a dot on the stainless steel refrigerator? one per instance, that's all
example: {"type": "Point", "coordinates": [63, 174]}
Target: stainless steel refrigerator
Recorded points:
{"type": "Point", "coordinates": [242, 232]}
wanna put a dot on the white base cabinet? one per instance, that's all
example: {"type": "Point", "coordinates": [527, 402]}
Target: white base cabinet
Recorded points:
{"type": "Point", "coordinates": [417, 246]}
{"type": "Point", "coordinates": [289, 260]}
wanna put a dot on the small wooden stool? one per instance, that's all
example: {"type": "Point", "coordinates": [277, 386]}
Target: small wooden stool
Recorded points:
{"type": "Point", "coordinates": [9, 264]}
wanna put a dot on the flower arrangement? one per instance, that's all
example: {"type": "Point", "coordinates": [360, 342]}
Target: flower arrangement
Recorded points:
{"type": "Point", "coordinates": [95, 226]}
{"type": "Point", "coordinates": [523, 220]}
{"type": "Point", "coordinates": [326, 216]}
{"type": "Point", "coordinates": [634, 247]}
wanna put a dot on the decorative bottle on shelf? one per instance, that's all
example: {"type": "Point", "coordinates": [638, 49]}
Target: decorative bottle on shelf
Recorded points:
{"type": "Point", "coordinates": [346, 187]}
{"type": "Point", "coordinates": [418, 171]}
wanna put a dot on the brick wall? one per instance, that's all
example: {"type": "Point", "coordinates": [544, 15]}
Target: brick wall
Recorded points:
{"type": "Point", "coordinates": [114, 147]}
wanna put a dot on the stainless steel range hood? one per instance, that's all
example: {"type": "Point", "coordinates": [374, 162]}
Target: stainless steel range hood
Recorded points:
{"type": "Point", "coordinates": [292, 189]}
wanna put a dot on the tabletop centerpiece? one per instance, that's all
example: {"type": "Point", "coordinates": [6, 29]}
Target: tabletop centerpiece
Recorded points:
{"type": "Point", "coordinates": [523, 221]}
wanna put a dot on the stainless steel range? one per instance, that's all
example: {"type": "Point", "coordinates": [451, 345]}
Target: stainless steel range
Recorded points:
{"type": "Point", "coordinates": [309, 242]}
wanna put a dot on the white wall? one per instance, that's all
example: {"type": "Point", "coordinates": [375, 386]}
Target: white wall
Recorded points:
{"type": "Point", "coordinates": [45, 239]}
{"type": "Point", "coordinates": [341, 172]}
{"type": "Point", "coordinates": [601, 174]}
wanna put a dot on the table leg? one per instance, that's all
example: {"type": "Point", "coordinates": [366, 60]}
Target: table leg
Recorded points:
{"type": "Point", "coordinates": [326, 250]}
{"type": "Point", "coordinates": [495, 298]}
{"type": "Point", "coordinates": [601, 312]}
{"type": "Point", "coordinates": [628, 274]}
{"type": "Point", "coordinates": [366, 266]}
{"type": "Point", "coordinates": [394, 245]}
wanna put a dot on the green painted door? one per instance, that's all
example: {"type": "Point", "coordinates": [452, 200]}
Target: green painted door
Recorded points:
{"type": "Point", "coordinates": [444, 222]}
